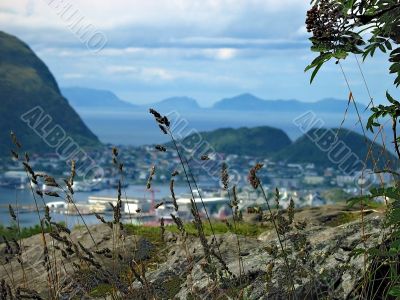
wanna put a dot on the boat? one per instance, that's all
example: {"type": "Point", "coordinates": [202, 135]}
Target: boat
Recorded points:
{"type": "Point", "coordinates": [130, 205]}
{"type": "Point", "coordinates": [212, 201]}
{"type": "Point", "coordinates": [63, 207]}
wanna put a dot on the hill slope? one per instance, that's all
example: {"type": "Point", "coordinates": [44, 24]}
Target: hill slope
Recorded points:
{"type": "Point", "coordinates": [257, 141]}
{"type": "Point", "coordinates": [87, 98]}
{"type": "Point", "coordinates": [304, 150]}
{"type": "Point", "coordinates": [26, 82]}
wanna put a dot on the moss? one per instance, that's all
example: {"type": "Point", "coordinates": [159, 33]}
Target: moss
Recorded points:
{"type": "Point", "coordinates": [343, 218]}
{"type": "Point", "coordinates": [102, 290]}
{"type": "Point", "coordinates": [172, 286]}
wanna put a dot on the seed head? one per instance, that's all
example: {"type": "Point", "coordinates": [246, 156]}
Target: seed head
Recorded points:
{"type": "Point", "coordinates": [161, 148]}
{"type": "Point", "coordinates": [252, 177]}
{"type": "Point", "coordinates": [224, 176]}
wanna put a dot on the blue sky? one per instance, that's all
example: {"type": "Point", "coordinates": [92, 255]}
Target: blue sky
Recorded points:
{"type": "Point", "coordinates": [206, 49]}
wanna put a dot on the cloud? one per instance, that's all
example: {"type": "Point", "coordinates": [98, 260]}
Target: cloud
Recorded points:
{"type": "Point", "coordinates": [160, 75]}
{"type": "Point", "coordinates": [157, 23]}
{"type": "Point", "coordinates": [73, 75]}
{"type": "Point", "coordinates": [225, 53]}
{"type": "Point", "coordinates": [211, 48]}
{"type": "Point", "coordinates": [142, 73]}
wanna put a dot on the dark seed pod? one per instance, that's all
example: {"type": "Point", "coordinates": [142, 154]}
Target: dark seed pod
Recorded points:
{"type": "Point", "coordinates": [12, 213]}
{"type": "Point", "coordinates": [154, 113]}
{"type": "Point", "coordinates": [115, 151]}
{"type": "Point", "coordinates": [161, 148]}
{"type": "Point", "coordinates": [158, 205]}
{"type": "Point", "coordinates": [163, 129]}
{"type": "Point", "coordinates": [14, 154]}
{"type": "Point", "coordinates": [166, 121]}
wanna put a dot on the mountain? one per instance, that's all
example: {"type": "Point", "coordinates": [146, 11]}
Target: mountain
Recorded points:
{"type": "Point", "coordinates": [82, 98]}
{"type": "Point", "coordinates": [27, 85]}
{"type": "Point", "coordinates": [176, 103]}
{"type": "Point", "coordinates": [257, 141]}
{"type": "Point", "coordinates": [87, 98]}
{"type": "Point", "coordinates": [240, 102]}
{"type": "Point", "coordinates": [305, 150]}
{"type": "Point", "coordinates": [249, 102]}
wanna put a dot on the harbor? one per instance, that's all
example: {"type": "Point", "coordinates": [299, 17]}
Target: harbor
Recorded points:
{"type": "Point", "coordinates": [24, 200]}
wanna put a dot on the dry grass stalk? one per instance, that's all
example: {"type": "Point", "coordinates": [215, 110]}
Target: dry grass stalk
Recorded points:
{"type": "Point", "coordinates": [256, 183]}
{"type": "Point", "coordinates": [171, 188]}
{"type": "Point", "coordinates": [162, 227]}
{"type": "Point", "coordinates": [233, 204]}
{"type": "Point", "coordinates": [150, 179]}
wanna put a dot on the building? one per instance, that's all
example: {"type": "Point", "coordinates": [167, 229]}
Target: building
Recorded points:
{"type": "Point", "coordinates": [315, 200]}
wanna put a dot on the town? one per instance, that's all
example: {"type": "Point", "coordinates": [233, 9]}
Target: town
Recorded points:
{"type": "Point", "coordinates": [305, 184]}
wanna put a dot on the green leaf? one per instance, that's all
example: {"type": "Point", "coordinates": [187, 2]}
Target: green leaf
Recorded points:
{"type": "Point", "coordinates": [395, 68]}
{"type": "Point", "coordinates": [382, 48]}
{"type": "Point", "coordinates": [388, 45]}
{"type": "Point", "coordinates": [357, 200]}
{"type": "Point", "coordinates": [393, 251]}
{"type": "Point", "coordinates": [391, 99]}
{"type": "Point", "coordinates": [315, 72]}
{"type": "Point", "coordinates": [358, 251]}
{"type": "Point", "coordinates": [393, 217]}
{"type": "Point", "coordinates": [395, 51]}
{"type": "Point", "coordinates": [395, 244]}
{"type": "Point", "coordinates": [395, 291]}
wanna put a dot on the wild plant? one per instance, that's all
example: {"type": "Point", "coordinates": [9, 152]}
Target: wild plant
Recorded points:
{"type": "Point", "coordinates": [337, 30]}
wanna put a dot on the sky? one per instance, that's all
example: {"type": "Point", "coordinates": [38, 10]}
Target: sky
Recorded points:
{"type": "Point", "coordinates": [145, 51]}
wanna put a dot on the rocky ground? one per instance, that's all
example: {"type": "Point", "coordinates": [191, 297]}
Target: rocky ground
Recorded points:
{"type": "Point", "coordinates": [319, 263]}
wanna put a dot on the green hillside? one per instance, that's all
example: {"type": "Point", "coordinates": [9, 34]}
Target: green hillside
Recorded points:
{"type": "Point", "coordinates": [26, 82]}
{"type": "Point", "coordinates": [304, 150]}
{"type": "Point", "coordinates": [257, 141]}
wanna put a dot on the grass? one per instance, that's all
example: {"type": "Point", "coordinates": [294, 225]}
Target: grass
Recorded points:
{"type": "Point", "coordinates": [343, 218]}
{"type": "Point", "coordinates": [11, 232]}
{"type": "Point", "coordinates": [242, 228]}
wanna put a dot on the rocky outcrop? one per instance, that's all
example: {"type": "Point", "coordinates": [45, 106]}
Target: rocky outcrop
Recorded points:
{"type": "Point", "coordinates": [328, 269]}
{"type": "Point", "coordinates": [319, 262]}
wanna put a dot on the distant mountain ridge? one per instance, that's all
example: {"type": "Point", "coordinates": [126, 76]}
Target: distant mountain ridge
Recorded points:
{"type": "Point", "coordinates": [249, 102]}
{"type": "Point", "coordinates": [80, 97]}
{"type": "Point", "coordinates": [25, 84]}
{"type": "Point", "coordinates": [88, 98]}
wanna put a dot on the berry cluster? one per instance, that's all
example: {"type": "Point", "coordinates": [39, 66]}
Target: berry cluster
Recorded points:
{"type": "Point", "coordinates": [324, 21]}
